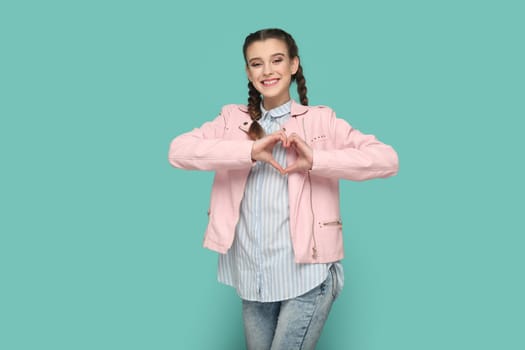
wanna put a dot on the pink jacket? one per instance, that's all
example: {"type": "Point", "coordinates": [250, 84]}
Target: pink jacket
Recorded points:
{"type": "Point", "coordinates": [339, 151]}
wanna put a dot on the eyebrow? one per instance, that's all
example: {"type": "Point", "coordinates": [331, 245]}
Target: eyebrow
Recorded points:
{"type": "Point", "coordinates": [272, 56]}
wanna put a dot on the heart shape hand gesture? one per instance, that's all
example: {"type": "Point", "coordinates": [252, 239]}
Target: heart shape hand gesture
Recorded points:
{"type": "Point", "coordinates": [262, 151]}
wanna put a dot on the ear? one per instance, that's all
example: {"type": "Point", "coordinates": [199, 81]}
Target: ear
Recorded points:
{"type": "Point", "coordinates": [295, 64]}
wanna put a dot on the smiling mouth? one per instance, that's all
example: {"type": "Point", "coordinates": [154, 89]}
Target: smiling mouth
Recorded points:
{"type": "Point", "coordinates": [270, 82]}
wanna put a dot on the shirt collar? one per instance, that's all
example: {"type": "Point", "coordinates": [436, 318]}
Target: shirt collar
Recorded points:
{"type": "Point", "coordinates": [296, 109]}
{"type": "Point", "coordinates": [277, 112]}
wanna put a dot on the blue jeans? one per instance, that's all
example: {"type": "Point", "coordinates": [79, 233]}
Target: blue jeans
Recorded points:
{"type": "Point", "coordinates": [293, 324]}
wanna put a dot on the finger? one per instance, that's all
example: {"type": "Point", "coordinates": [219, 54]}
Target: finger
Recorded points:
{"type": "Point", "coordinates": [301, 165]}
{"type": "Point", "coordinates": [290, 169]}
{"type": "Point", "coordinates": [289, 139]}
{"type": "Point", "coordinates": [302, 147]}
{"type": "Point", "coordinates": [278, 132]}
{"type": "Point", "coordinates": [295, 167]}
{"type": "Point", "coordinates": [276, 165]}
{"type": "Point", "coordinates": [270, 140]}
{"type": "Point", "coordinates": [298, 140]}
{"type": "Point", "coordinates": [263, 146]}
{"type": "Point", "coordinates": [295, 139]}
{"type": "Point", "coordinates": [282, 136]}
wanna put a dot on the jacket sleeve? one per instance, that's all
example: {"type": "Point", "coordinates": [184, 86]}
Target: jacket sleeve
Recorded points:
{"type": "Point", "coordinates": [205, 148]}
{"type": "Point", "coordinates": [356, 156]}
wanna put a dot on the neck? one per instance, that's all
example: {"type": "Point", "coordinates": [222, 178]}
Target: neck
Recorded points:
{"type": "Point", "coordinates": [272, 102]}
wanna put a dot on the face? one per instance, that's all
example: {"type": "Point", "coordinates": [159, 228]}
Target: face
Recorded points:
{"type": "Point", "coordinates": [270, 70]}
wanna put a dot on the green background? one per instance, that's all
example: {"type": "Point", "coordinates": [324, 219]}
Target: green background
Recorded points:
{"type": "Point", "coordinates": [100, 244]}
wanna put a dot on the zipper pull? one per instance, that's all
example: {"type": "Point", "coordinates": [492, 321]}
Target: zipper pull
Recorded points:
{"type": "Point", "coordinates": [332, 223]}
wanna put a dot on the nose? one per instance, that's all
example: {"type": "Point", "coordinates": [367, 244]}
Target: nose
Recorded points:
{"type": "Point", "coordinates": [267, 69]}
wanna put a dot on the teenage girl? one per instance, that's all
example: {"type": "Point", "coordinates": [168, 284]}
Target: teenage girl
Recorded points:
{"type": "Point", "coordinates": [274, 213]}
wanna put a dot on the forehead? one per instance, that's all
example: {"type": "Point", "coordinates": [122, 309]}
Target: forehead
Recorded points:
{"type": "Point", "coordinates": [266, 48]}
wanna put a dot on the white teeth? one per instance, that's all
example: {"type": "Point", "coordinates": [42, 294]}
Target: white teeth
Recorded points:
{"type": "Point", "coordinates": [269, 82]}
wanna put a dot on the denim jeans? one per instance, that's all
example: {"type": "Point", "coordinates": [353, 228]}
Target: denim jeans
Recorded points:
{"type": "Point", "coordinates": [293, 324]}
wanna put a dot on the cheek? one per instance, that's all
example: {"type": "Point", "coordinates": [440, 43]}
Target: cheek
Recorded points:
{"type": "Point", "coordinates": [249, 73]}
{"type": "Point", "coordinates": [252, 75]}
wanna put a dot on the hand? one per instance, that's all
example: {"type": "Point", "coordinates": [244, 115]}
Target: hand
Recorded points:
{"type": "Point", "coordinates": [305, 156]}
{"type": "Point", "coordinates": [262, 149]}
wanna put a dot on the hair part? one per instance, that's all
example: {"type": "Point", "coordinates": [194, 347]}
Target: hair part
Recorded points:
{"type": "Point", "coordinates": [254, 96]}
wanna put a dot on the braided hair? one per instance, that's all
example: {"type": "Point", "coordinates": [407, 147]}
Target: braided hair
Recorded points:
{"type": "Point", "coordinates": [254, 96]}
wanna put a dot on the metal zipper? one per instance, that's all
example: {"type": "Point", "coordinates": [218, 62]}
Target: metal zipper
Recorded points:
{"type": "Point", "coordinates": [314, 248]}
{"type": "Point", "coordinates": [332, 223]}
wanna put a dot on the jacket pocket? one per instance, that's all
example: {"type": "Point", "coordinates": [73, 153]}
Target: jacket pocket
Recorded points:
{"type": "Point", "coordinates": [328, 238]}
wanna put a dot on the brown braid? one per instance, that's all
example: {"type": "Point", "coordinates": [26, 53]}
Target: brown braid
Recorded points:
{"type": "Point", "coordinates": [254, 109]}
{"type": "Point", "coordinates": [301, 86]}
{"type": "Point", "coordinates": [254, 97]}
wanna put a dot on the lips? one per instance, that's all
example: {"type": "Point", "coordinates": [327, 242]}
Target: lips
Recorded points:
{"type": "Point", "coordinates": [269, 82]}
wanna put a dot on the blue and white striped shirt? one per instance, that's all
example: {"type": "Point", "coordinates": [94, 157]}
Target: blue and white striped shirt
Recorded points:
{"type": "Point", "coordinates": [260, 264]}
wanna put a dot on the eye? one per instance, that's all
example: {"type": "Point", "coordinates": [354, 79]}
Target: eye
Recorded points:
{"type": "Point", "coordinates": [255, 64]}
{"type": "Point", "coordinates": [278, 60]}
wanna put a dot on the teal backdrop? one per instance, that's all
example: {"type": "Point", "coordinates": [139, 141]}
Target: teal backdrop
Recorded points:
{"type": "Point", "coordinates": [100, 238]}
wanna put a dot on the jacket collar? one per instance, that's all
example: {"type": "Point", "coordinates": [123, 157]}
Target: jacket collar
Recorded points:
{"type": "Point", "coordinates": [296, 109]}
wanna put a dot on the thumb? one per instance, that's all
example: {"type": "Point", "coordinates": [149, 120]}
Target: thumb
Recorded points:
{"type": "Point", "coordinates": [276, 165]}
